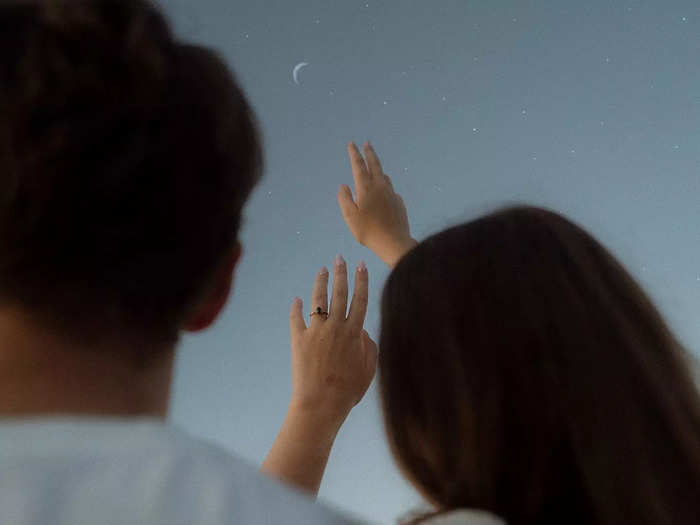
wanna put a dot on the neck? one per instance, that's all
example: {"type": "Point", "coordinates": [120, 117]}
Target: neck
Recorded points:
{"type": "Point", "coordinates": [40, 374]}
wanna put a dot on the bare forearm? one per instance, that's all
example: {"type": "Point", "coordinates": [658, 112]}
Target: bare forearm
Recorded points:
{"type": "Point", "coordinates": [300, 453]}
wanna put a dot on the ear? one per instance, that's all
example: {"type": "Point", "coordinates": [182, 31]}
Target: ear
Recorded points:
{"type": "Point", "coordinates": [213, 303]}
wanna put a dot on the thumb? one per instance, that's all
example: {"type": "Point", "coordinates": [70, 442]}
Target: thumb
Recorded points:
{"type": "Point", "coordinates": [347, 204]}
{"type": "Point", "coordinates": [369, 346]}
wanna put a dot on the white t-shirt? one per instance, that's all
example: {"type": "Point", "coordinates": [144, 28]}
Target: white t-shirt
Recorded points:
{"type": "Point", "coordinates": [71, 470]}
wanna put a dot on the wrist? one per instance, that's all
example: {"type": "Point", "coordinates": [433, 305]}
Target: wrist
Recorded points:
{"type": "Point", "coordinates": [325, 421]}
{"type": "Point", "coordinates": [395, 251]}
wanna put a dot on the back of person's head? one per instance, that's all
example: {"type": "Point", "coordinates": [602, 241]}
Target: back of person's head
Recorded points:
{"type": "Point", "coordinates": [126, 158]}
{"type": "Point", "coordinates": [523, 371]}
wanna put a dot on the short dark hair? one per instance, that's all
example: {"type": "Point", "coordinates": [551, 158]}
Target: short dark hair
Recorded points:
{"type": "Point", "coordinates": [523, 371]}
{"type": "Point", "coordinates": [126, 158]}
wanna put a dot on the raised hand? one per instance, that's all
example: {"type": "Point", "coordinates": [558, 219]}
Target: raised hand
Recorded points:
{"type": "Point", "coordinates": [333, 363]}
{"type": "Point", "coordinates": [334, 359]}
{"type": "Point", "coordinates": [378, 220]}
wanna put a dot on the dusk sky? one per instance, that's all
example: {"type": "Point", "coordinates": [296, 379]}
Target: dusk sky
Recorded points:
{"type": "Point", "coordinates": [590, 108]}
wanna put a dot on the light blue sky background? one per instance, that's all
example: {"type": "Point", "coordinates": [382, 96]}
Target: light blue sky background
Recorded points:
{"type": "Point", "coordinates": [592, 108]}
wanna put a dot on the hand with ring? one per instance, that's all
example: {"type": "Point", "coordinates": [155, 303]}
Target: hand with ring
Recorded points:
{"type": "Point", "coordinates": [333, 359]}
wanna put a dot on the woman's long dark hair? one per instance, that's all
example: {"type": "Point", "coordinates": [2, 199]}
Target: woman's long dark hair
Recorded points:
{"type": "Point", "coordinates": [523, 371]}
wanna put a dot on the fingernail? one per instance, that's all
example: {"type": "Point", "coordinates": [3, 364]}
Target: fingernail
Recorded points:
{"type": "Point", "coordinates": [339, 260]}
{"type": "Point", "coordinates": [362, 266]}
{"type": "Point", "coordinates": [323, 270]}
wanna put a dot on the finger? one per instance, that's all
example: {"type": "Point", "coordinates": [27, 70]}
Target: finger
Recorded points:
{"type": "Point", "coordinates": [339, 301]}
{"type": "Point", "coordinates": [360, 173]}
{"type": "Point", "coordinates": [348, 207]}
{"type": "Point", "coordinates": [388, 181]}
{"type": "Point", "coordinates": [358, 307]}
{"type": "Point", "coordinates": [296, 318]}
{"type": "Point", "coordinates": [375, 167]}
{"type": "Point", "coordinates": [319, 297]}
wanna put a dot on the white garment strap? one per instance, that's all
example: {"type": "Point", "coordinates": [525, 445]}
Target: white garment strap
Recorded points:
{"type": "Point", "coordinates": [465, 517]}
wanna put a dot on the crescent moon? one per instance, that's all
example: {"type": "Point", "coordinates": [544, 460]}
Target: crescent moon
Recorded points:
{"type": "Point", "coordinates": [296, 70]}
